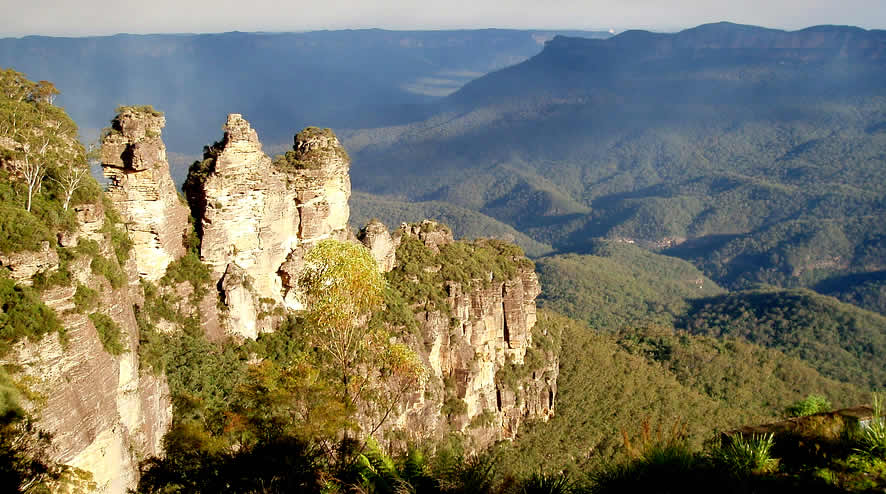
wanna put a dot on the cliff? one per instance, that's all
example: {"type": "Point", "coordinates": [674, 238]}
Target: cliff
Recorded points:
{"type": "Point", "coordinates": [141, 188]}
{"type": "Point", "coordinates": [256, 218]}
{"type": "Point", "coordinates": [104, 414]}
{"type": "Point", "coordinates": [489, 376]}
{"type": "Point", "coordinates": [114, 289]}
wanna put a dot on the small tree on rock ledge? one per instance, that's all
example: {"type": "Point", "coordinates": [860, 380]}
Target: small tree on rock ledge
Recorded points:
{"type": "Point", "coordinates": [342, 286]}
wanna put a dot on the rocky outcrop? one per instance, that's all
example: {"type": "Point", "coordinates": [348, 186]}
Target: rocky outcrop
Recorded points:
{"type": "Point", "coordinates": [141, 188]}
{"type": "Point", "coordinates": [105, 414]}
{"type": "Point", "coordinates": [485, 386]}
{"type": "Point", "coordinates": [23, 266]}
{"type": "Point", "coordinates": [257, 218]}
{"type": "Point", "coordinates": [377, 239]}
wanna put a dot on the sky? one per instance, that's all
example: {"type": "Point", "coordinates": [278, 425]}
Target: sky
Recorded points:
{"type": "Point", "coordinates": [102, 17]}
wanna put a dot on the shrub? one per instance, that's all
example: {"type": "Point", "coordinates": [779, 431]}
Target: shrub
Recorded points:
{"type": "Point", "coordinates": [85, 299]}
{"type": "Point", "coordinates": [109, 333]}
{"type": "Point", "coordinates": [810, 406]}
{"type": "Point", "coordinates": [21, 230]}
{"type": "Point", "coordinates": [540, 483]}
{"type": "Point", "coordinates": [24, 315]}
{"type": "Point", "coordinates": [109, 270]}
{"type": "Point", "coordinates": [454, 406]}
{"type": "Point", "coordinates": [146, 109]}
{"type": "Point", "coordinates": [187, 268]}
{"type": "Point", "coordinates": [119, 238]}
{"type": "Point", "coordinates": [743, 456]}
{"type": "Point", "coordinates": [872, 440]}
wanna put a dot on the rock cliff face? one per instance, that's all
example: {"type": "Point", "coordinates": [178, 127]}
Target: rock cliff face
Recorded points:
{"type": "Point", "coordinates": [478, 352]}
{"type": "Point", "coordinates": [256, 218]}
{"type": "Point", "coordinates": [104, 413]}
{"type": "Point", "coordinates": [141, 188]}
{"type": "Point", "coordinates": [377, 239]}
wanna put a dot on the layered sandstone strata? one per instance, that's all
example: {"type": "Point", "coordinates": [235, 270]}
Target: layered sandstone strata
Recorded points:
{"type": "Point", "coordinates": [257, 218]}
{"type": "Point", "coordinates": [142, 190]}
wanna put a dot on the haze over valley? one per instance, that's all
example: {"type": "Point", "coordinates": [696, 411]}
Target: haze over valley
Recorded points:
{"type": "Point", "coordinates": [509, 260]}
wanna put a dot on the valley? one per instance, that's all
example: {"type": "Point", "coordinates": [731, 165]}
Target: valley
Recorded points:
{"type": "Point", "coordinates": [571, 261]}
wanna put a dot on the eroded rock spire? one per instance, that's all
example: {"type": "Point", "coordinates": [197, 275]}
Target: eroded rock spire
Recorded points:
{"type": "Point", "coordinates": [134, 160]}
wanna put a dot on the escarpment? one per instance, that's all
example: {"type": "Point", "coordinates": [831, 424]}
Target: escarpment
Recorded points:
{"type": "Point", "coordinates": [118, 285]}
{"type": "Point", "coordinates": [475, 333]}
{"type": "Point", "coordinates": [103, 412]}
{"type": "Point", "coordinates": [141, 188]}
{"type": "Point", "coordinates": [256, 218]}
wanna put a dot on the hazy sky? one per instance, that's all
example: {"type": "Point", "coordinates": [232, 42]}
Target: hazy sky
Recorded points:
{"type": "Point", "coordinates": [89, 17]}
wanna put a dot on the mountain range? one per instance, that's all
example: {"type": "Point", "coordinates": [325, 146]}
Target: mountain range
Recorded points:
{"type": "Point", "coordinates": [757, 154]}
{"type": "Point", "coordinates": [281, 81]}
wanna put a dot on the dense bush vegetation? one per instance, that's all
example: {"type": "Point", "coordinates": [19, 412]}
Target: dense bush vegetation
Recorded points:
{"type": "Point", "coordinates": [109, 333]}
{"type": "Point", "coordinates": [421, 275]}
{"type": "Point", "coordinates": [24, 315]}
{"type": "Point", "coordinates": [621, 284]}
{"type": "Point", "coordinates": [840, 340]}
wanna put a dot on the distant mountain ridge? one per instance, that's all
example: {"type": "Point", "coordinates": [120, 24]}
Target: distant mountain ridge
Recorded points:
{"type": "Point", "coordinates": [764, 148]}
{"type": "Point", "coordinates": [636, 53]}
{"type": "Point", "coordinates": [349, 78]}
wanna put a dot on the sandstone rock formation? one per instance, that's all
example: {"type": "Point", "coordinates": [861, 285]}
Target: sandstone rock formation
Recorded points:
{"type": "Point", "coordinates": [258, 217]}
{"type": "Point", "coordinates": [489, 328]}
{"type": "Point", "coordinates": [24, 265]}
{"type": "Point", "coordinates": [134, 160]}
{"type": "Point", "coordinates": [377, 239]}
{"type": "Point", "coordinates": [105, 414]}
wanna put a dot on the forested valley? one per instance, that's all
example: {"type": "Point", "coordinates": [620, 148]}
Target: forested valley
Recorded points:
{"type": "Point", "coordinates": [651, 263]}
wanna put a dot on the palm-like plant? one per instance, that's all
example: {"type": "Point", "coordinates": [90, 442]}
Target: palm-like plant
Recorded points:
{"type": "Point", "coordinates": [872, 440]}
{"type": "Point", "coordinates": [743, 456]}
{"type": "Point", "coordinates": [540, 483]}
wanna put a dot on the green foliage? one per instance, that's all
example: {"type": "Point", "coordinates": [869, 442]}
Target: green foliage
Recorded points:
{"type": "Point", "coordinates": [453, 406]}
{"type": "Point", "coordinates": [41, 151]}
{"type": "Point", "coordinates": [866, 290]}
{"type": "Point", "coordinates": [21, 230]}
{"type": "Point", "coordinates": [839, 340]}
{"type": "Point", "coordinates": [421, 276]}
{"type": "Point", "coordinates": [202, 377]}
{"type": "Point", "coordinates": [291, 162]}
{"type": "Point", "coordinates": [541, 483]}
{"type": "Point", "coordinates": [85, 299]}
{"type": "Point", "coordinates": [872, 440]}
{"type": "Point", "coordinates": [188, 268]}
{"type": "Point", "coordinates": [137, 109]}
{"type": "Point", "coordinates": [620, 285]}
{"type": "Point", "coordinates": [743, 456]}
{"type": "Point", "coordinates": [110, 270]}
{"type": "Point", "coordinates": [658, 464]}
{"type": "Point", "coordinates": [811, 405]}
{"type": "Point", "coordinates": [762, 381]}
{"type": "Point", "coordinates": [24, 315]}
{"type": "Point", "coordinates": [120, 241]}
{"type": "Point", "coordinates": [109, 333]}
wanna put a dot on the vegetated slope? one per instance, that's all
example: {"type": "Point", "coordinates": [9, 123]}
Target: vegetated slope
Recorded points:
{"type": "Point", "coordinates": [747, 141]}
{"type": "Point", "coordinates": [471, 224]}
{"type": "Point", "coordinates": [612, 384]}
{"type": "Point", "coordinates": [840, 340]}
{"type": "Point", "coordinates": [620, 285]}
{"type": "Point", "coordinates": [634, 363]}
{"type": "Point", "coordinates": [281, 81]}
{"type": "Point", "coordinates": [866, 290]}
